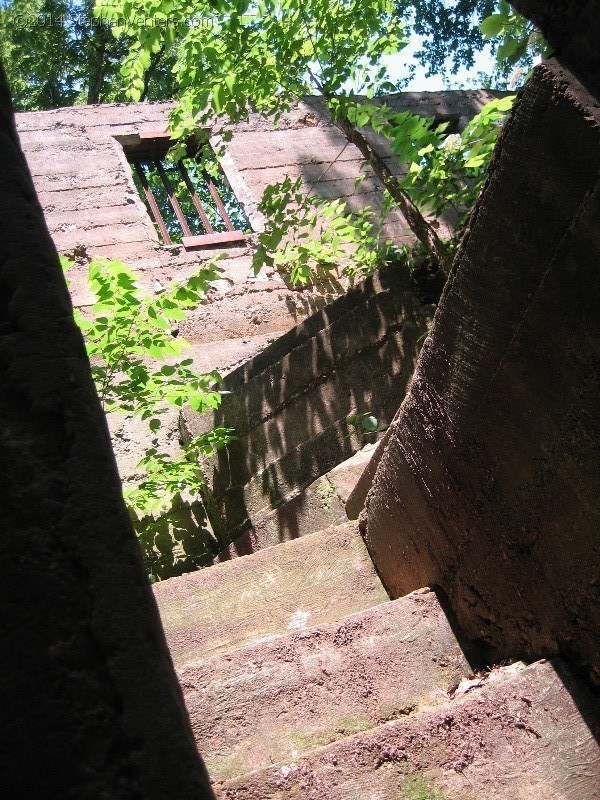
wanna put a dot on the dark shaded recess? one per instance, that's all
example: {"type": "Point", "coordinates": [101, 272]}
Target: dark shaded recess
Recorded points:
{"type": "Point", "coordinates": [476, 651]}
{"type": "Point", "coordinates": [488, 487]}
{"type": "Point", "coordinates": [587, 702]}
{"type": "Point", "coordinates": [90, 704]}
{"type": "Point", "coordinates": [428, 283]}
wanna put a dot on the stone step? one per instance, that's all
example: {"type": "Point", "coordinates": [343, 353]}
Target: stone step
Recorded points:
{"type": "Point", "coordinates": [282, 479]}
{"type": "Point", "coordinates": [374, 379]}
{"type": "Point", "coordinates": [381, 281]}
{"type": "Point", "coordinates": [276, 700]}
{"type": "Point", "coordinates": [317, 579]}
{"type": "Point", "coordinates": [524, 733]}
{"type": "Point", "coordinates": [372, 382]}
{"type": "Point", "coordinates": [318, 506]}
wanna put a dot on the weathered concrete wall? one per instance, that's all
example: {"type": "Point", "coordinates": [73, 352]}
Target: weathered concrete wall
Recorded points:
{"type": "Point", "coordinates": [93, 209]}
{"type": "Point", "coordinates": [289, 405]}
{"type": "Point", "coordinates": [90, 704]}
{"type": "Point", "coordinates": [489, 485]}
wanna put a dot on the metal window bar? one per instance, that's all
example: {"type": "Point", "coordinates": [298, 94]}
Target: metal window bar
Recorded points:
{"type": "Point", "coordinates": [219, 203]}
{"type": "Point", "coordinates": [189, 239]}
{"type": "Point", "coordinates": [152, 203]}
{"type": "Point", "coordinates": [173, 199]}
{"type": "Point", "coordinates": [195, 199]}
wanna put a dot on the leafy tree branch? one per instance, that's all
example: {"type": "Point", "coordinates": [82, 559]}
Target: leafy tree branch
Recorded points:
{"type": "Point", "coordinates": [138, 370]}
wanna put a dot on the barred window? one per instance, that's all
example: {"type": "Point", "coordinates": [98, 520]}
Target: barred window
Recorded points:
{"type": "Point", "coordinates": [190, 200]}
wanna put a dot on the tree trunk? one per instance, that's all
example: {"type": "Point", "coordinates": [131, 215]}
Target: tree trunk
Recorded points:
{"type": "Point", "coordinates": [489, 486]}
{"type": "Point", "coordinates": [573, 30]}
{"type": "Point", "coordinates": [97, 47]}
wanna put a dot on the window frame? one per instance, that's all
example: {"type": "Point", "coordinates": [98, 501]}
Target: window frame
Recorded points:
{"type": "Point", "coordinates": [151, 146]}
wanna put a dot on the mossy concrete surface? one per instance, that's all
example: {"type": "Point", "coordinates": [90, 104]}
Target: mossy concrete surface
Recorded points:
{"type": "Point", "coordinates": [275, 700]}
{"type": "Point", "coordinates": [521, 733]}
{"type": "Point", "coordinates": [309, 581]}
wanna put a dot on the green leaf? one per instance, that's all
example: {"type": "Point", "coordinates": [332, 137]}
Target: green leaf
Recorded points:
{"type": "Point", "coordinates": [507, 49]}
{"type": "Point", "coordinates": [197, 402]}
{"type": "Point", "coordinates": [505, 103]}
{"type": "Point", "coordinates": [370, 423]}
{"type": "Point", "coordinates": [145, 59]}
{"type": "Point", "coordinates": [218, 98]}
{"type": "Point", "coordinates": [493, 25]}
{"type": "Point", "coordinates": [174, 313]}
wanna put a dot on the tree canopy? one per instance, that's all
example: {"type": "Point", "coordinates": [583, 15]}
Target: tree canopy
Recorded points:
{"type": "Point", "coordinates": [226, 58]}
{"type": "Point", "coordinates": [234, 58]}
{"type": "Point", "coordinates": [57, 52]}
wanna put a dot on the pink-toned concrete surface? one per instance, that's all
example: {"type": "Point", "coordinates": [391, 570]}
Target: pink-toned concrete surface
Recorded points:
{"type": "Point", "coordinates": [92, 209]}
{"type": "Point", "coordinates": [273, 701]}
{"type": "Point", "coordinates": [318, 578]}
{"type": "Point", "coordinates": [521, 734]}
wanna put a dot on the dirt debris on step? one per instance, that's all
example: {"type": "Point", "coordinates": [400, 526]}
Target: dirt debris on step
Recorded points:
{"type": "Point", "coordinates": [275, 700]}
{"type": "Point", "coordinates": [528, 733]}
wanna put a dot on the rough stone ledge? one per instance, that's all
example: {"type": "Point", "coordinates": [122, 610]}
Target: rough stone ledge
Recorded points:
{"type": "Point", "coordinates": [305, 689]}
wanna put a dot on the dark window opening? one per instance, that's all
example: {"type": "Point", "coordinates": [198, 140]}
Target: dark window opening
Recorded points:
{"type": "Point", "coordinates": [190, 204]}
{"type": "Point", "coordinates": [452, 122]}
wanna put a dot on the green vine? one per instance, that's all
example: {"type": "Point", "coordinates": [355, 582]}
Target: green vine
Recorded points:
{"type": "Point", "coordinates": [137, 366]}
{"type": "Point", "coordinates": [306, 235]}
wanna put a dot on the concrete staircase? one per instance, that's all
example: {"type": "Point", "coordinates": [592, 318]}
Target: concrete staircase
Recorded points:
{"type": "Point", "coordinates": [321, 504]}
{"type": "Point", "coordinates": [303, 680]}
{"type": "Point", "coordinates": [289, 407]}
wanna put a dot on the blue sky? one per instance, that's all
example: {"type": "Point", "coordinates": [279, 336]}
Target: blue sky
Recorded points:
{"type": "Point", "coordinates": [465, 78]}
